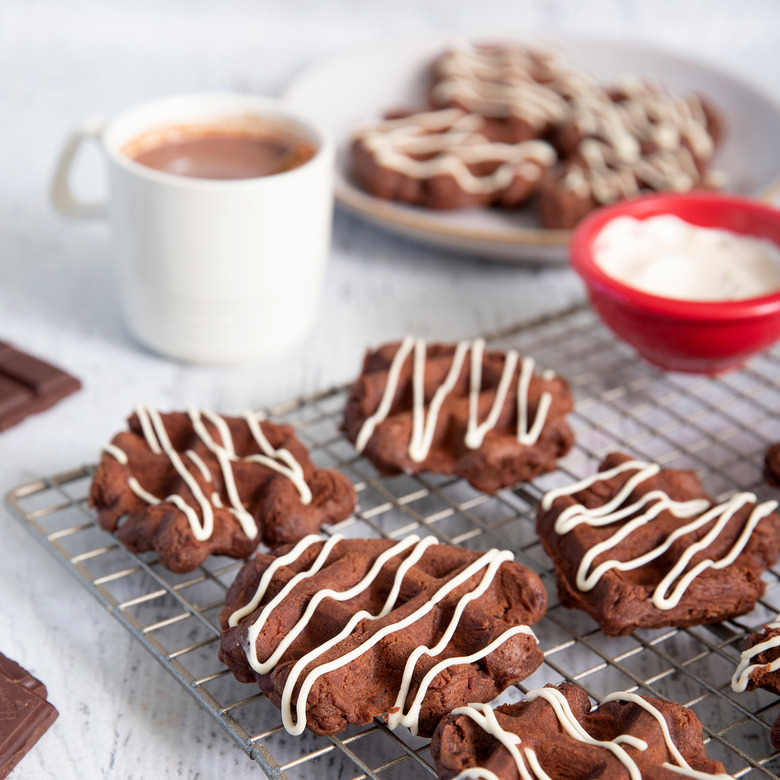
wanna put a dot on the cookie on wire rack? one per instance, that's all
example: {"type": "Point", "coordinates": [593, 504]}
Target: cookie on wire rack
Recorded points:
{"type": "Point", "coordinates": [341, 631]}
{"type": "Point", "coordinates": [555, 734]}
{"type": "Point", "coordinates": [772, 465]}
{"type": "Point", "coordinates": [637, 546]}
{"type": "Point", "coordinates": [759, 667]}
{"type": "Point", "coordinates": [192, 484]}
{"type": "Point", "coordinates": [484, 415]}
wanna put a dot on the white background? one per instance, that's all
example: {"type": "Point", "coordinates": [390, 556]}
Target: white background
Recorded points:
{"type": "Point", "coordinates": [120, 714]}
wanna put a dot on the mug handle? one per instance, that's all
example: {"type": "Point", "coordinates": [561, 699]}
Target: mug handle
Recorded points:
{"type": "Point", "coordinates": [62, 197]}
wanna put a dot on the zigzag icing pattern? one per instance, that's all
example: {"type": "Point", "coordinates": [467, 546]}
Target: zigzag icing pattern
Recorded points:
{"type": "Point", "coordinates": [653, 503]}
{"type": "Point", "coordinates": [294, 713]}
{"type": "Point", "coordinates": [423, 427]}
{"type": "Point", "coordinates": [745, 668]}
{"type": "Point", "coordinates": [614, 131]}
{"type": "Point", "coordinates": [498, 82]}
{"type": "Point", "coordinates": [156, 436]}
{"type": "Point", "coordinates": [526, 761]}
{"type": "Point", "coordinates": [449, 141]}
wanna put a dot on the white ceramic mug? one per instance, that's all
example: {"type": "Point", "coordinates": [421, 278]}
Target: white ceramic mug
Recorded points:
{"type": "Point", "coordinates": [213, 271]}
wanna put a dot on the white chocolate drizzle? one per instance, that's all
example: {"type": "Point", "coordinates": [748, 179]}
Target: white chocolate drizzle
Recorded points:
{"type": "Point", "coordinates": [294, 714]}
{"type": "Point", "coordinates": [679, 577]}
{"type": "Point", "coordinates": [369, 426]}
{"type": "Point", "coordinates": [644, 139]}
{"type": "Point", "coordinates": [447, 142]}
{"type": "Point", "coordinates": [424, 425]}
{"type": "Point", "coordinates": [608, 178]}
{"type": "Point", "coordinates": [527, 762]}
{"type": "Point", "coordinates": [499, 81]}
{"type": "Point", "coordinates": [475, 434]}
{"type": "Point", "coordinates": [745, 668]}
{"type": "Point", "coordinates": [156, 436]}
{"type": "Point", "coordinates": [613, 165]}
{"type": "Point", "coordinates": [116, 452]}
{"type": "Point", "coordinates": [541, 88]}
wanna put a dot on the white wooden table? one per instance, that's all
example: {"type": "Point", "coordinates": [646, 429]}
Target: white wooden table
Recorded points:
{"type": "Point", "coordinates": [120, 713]}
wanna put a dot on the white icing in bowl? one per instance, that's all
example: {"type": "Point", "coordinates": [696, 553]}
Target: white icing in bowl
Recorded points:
{"type": "Point", "coordinates": [666, 256]}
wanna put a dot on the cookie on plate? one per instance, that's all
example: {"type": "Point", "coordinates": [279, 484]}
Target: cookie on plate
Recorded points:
{"type": "Point", "coordinates": [638, 117]}
{"type": "Point", "coordinates": [522, 91]}
{"type": "Point", "coordinates": [636, 546]}
{"type": "Point", "coordinates": [596, 175]}
{"type": "Point", "coordinates": [458, 409]}
{"type": "Point", "coordinates": [192, 484]}
{"type": "Point", "coordinates": [633, 139]}
{"type": "Point", "coordinates": [554, 734]}
{"type": "Point", "coordinates": [443, 160]}
{"type": "Point", "coordinates": [341, 631]}
{"type": "Point", "coordinates": [759, 667]}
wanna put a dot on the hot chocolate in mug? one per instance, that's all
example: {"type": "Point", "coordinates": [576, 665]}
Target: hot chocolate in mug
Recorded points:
{"type": "Point", "coordinates": [212, 270]}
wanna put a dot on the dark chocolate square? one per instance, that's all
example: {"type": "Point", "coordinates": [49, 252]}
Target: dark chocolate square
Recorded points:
{"type": "Point", "coordinates": [25, 714]}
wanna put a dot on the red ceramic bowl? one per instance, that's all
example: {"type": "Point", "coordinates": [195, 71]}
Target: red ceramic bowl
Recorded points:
{"type": "Point", "coordinates": [683, 335]}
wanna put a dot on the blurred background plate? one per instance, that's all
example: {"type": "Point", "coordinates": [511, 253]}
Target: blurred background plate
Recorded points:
{"type": "Point", "coordinates": [392, 74]}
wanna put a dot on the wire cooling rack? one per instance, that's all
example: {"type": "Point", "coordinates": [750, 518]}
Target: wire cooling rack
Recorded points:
{"type": "Point", "coordinates": [719, 427]}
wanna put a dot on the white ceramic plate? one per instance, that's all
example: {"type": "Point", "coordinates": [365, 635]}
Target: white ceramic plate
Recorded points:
{"type": "Point", "coordinates": [390, 74]}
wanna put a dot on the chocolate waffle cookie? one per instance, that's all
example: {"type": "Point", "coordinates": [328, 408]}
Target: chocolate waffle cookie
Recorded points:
{"type": "Point", "coordinates": [633, 139]}
{"type": "Point", "coordinates": [772, 465]}
{"type": "Point", "coordinates": [759, 667]}
{"type": "Point", "coordinates": [554, 734]}
{"type": "Point", "coordinates": [458, 409]}
{"type": "Point", "coordinates": [636, 546]}
{"type": "Point", "coordinates": [443, 160]}
{"type": "Point", "coordinates": [192, 484]}
{"type": "Point", "coordinates": [502, 111]}
{"type": "Point", "coordinates": [522, 92]}
{"type": "Point", "coordinates": [346, 630]}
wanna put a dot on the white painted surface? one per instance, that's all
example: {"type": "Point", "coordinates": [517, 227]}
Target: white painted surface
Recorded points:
{"type": "Point", "coordinates": [62, 61]}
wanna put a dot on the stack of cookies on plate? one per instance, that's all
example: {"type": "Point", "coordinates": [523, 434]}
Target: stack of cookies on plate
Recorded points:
{"type": "Point", "coordinates": [509, 125]}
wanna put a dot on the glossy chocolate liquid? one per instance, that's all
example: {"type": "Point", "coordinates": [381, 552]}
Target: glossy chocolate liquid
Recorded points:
{"type": "Point", "coordinates": [220, 152]}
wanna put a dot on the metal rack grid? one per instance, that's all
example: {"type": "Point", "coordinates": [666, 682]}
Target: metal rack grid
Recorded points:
{"type": "Point", "coordinates": [719, 427]}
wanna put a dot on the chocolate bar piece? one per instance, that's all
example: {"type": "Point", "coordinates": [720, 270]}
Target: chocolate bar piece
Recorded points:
{"type": "Point", "coordinates": [29, 385]}
{"type": "Point", "coordinates": [13, 672]}
{"type": "Point", "coordinates": [24, 713]}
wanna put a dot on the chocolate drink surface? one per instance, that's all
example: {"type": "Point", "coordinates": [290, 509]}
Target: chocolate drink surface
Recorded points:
{"type": "Point", "coordinates": [229, 151]}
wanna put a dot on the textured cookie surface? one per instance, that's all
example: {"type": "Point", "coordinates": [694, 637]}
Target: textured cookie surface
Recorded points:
{"type": "Point", "coordinates": [759, 667]}
{"type": "Point", "coordinates": [518, 107]}
{"type": "Point", "coordinates": [522, 92]}
{"type": "Point", "coordinates": [636, 546]}
{"type": "Point", "coordinates": [458, 409]}
{"type": "Point", "coordinates": [343, 631]}
{"type": "Point", "coordinates": [443, 160]}
{"type": "Point", "coordinates": [772, 465]}
{"type": "Point", "coordinates": [613, 143]}
{"type": "Point", "coordinates": [631, 140]}
{"type": "Point", "coordinates": [554, 734]}
{"type": "Point", "coordinates": [192, 484]}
